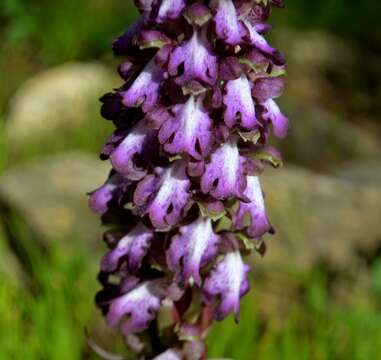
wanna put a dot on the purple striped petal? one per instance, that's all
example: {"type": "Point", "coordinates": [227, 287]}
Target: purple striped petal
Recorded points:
{"type": "Point", "coordinates": [252, 215]}
{"type": "Point", "coordinates": [254, 38]}
{"type": "Point", "coordinates": [239, 103]}
{"type": "Point", "coordinates": [278, 120]}
{"type": "Point", "coordinates": [109, 194]}
{"type": "Point", "coordinates": [169, 10]}
{"type": "Point", "coordinates": [140, 305]}
{"type": "Point", "coordinates": [268, 88]}
{"type": "Point", "coordinates": [197, 14]}
{"type": "Point", "coordinates": [130, 249]}
{"type": "Point", "coordinates": [144, 91]}
{"type": "Point", "coordinates": [164, 196]}
{"type": "Point", "coordinates": [193, 247]}
{"type": "Point", "coordinates": [224, 175]}
{"type": "Point", "coordinates": [199, 62]}
{"type": "Point", "coordinates": [227, 26]}
{"type": "Point", "coordinates": [227, 283]}
{"type": "Point", "coordinates": [189, 131]}
{"type": "Point", "coordinates": [152, 39]}
{"type": "Point", "coordinates": [170, 354]}
{"type": "Point", "coordinates": [123, 43]}
{"type": "Point", "coordinates": [134, 152]}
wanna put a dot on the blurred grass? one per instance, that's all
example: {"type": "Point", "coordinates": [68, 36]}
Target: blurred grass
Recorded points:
{"type": "Point", "coordinates": [43, 314]}
{"type": "Point", "coordinates": [315, 327]}
{"type": "Point", "coordinates": [46, 318]}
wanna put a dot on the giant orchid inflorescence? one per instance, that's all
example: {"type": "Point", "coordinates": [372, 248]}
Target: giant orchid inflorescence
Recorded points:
{"type": "Point", "coordinates": [183, 198]}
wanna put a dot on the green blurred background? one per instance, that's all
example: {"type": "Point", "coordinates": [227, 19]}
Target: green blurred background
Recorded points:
{"type": "Point", "coordinates": [315, 295]}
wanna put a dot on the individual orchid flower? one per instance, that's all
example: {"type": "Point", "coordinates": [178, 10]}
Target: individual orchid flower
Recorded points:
{"type": "Point", "coordinates": [252, 215]}
{"type": "Point", "coordinates": [224, 175]}
{"type": "Point", "coordinates": [197, 58]}
{"type": "Point", "coordinates": [183, 199]}
{"type": "Point", "coordinates": [228, 282]}
{"type": "Point", "coordinates": [194, 246]}
{"type": "Point", "coordinates": [164, 196]}
{"type": "Point", "coordinates": [134, 152]}
{"type": "Point", "coordinates": [189, 131]}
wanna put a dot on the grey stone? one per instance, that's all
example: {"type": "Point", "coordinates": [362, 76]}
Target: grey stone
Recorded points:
{"type": "Point", "coordinates": [320, 218]}
{"type": "Point", "coordinates": [321, 140]}
{"type": "Point", "coordinates": [50, 196]}
{"type": "Point", "coordinates": [57, 99]}
{"type": "Point", "coordinates": [365, 171]}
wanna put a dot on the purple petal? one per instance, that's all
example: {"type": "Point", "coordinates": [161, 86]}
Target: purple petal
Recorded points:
{"type": "Point", "coordinates": [259, 13]}
{"type": "Point", "coordinates": [239, 102]}
{"type": "Point", "coordinates": [144, 6]}
{"type": "Point", "coordinates": [252, 215]}
{"type": "Point", "coordinates": [197, 14]}
{"type": "Point", "coordinates": [230, 68]}
{"type": "Point", "coordinates": [112, 143]}
{"type": "Point", "coordinates": [170, 354]}
{"type": "Point", "coordinates": [152, 39]}
{"type": "Point", "coordinates": [137, 146]}
{"type": "Point", "coordinates": [131, 248]}
{"type": "Point", "coordinates": [258, 40]}
{"type": "Point", "coordinates": [193, 247]}
{"type": "Point", "coordinates": [199, 61]}
{"type": "Point", "coordinates": [123, 43]}
{"type": "Point", "coordinates": [224, 175]}
{"type": "Point", "coordinates": [278, 120]}
{"type": "Point", "coordinates": [112, 191]}
{"type": "Point", "coordinates": [144, 91]}
{"type": "Point", "coordinates": [164, 196]}
{"type": "Point", "coordinates": [169, 10]}
{"type": "Point", "coordinates": [227, 26]}
{"type": "Point", "coordinates": [227, 283]}
{"type": "Point", "coordinates": [140, 304]}
{"type": "Point", "coordinates": [268, 88]}
{"type": "Point", "coordinates": [189, 131]}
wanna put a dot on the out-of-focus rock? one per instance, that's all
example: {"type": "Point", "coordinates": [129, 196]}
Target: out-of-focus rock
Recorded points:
{"type": "Point", "coordinates": [56, 100]}
{"type": "Point", "coordinates": [327, 100]}
{"type": "Point", "coordinates": [320, 139]}
{"type": "Point", "coordinates": [50, 196]}
{"type": "Point", "coordinates": [311, 56]}
{"type": "Point", "coordinates": [317, 217]}
{"type": "Point", "coordinates": [320, 218]}
{"type": "Point", "coordinates": [363, 172]}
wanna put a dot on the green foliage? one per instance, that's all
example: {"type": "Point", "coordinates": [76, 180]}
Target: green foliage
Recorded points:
{"type": "Point", "coordinates": [315, 327]}
{"type": "Point", "coordinates": [44, 311]}
{"type": "Point", "coordinates": [349, 18]}
{"type": "Point", "coordinates": [65, 29]}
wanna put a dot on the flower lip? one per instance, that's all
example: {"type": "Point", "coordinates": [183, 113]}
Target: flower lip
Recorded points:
{"type": "Point", "coordinates": [189, 131]}
{"type": "Point", "coordinates": [194, 246]}
{"type": "Point", "coordinates": [224, 174]}
{"type": "Point", "coordinates": [227, 282]}
{"type": "Point", "coordinates": [227, 26]}
{"type": "Point", "coordinates": [135, 149]}
{"type": "Point", "coordinates": [144, 91]}
{"type": "Point", "coordinates": [238, 101]}
{"type": "Point", "coordinates": [140, 303]}
{"type": "Point", "coordinates": [164, 196]}
{"type": "Point", "coordinates": [252, 215]}
{"type": "Point", "coordinates": [112, 191]}
{"type": "Point", "coordinates": [130, 249]}
{"type": "Point", "coordinates": [197, 58]}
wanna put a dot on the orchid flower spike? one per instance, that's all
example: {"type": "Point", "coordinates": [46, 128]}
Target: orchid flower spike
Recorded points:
{"type": "Point", "coordinates": [183, 199]}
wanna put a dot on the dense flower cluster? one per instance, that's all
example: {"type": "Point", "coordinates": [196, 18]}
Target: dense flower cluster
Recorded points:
{"type": "Point", "coordinates": [183, 199]}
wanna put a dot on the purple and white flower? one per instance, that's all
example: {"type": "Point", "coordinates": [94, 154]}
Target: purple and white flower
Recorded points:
{"type": "Point", "coordinates": [189, 131]}
{"type": "Point", "coordinates": [193, 120]}
{"type": "Point", "coordinates": [194, 246]}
